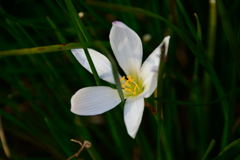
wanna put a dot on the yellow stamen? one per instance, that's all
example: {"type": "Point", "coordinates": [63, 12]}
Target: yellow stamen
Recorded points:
{"type": "Point", "coordinates": [122, 78]}
{"type": "Point", "coordinates": [130, 79]}
{"type": "Point", "coordinates": [128, 90]}
{"type": "Point", "coordinates": [130, 86]}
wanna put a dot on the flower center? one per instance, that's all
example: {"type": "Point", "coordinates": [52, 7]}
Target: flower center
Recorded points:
{"type": "Point", "coordinates": [131, 86]}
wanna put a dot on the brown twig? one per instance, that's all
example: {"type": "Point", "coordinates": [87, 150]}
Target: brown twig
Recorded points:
{"type": "Point", "coordinates": [86, 144]}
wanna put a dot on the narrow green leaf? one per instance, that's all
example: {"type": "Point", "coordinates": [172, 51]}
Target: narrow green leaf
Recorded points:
{"type": "Point", "coordinates": [57, 137]}
{"type": "Point", "coordinates": [230, 151]}
{"type": "Point", "coordinates": [82, 35]}
{"type": "Point", "coordinates": [212, 29]}
{"type": "Point", "coordinates": [115, 70]}
{"type": "Point", "coordinates": [199, 28]}
{"type": "Point", "coordinates": [187, 19]}
{"type": "Point", "coordinates": [46, 49]}
{"type": "Point", "coordinates": [209, 149]}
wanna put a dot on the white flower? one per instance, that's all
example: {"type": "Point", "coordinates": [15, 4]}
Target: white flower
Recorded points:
{"type": "Point", "coordinates": [139, 83]}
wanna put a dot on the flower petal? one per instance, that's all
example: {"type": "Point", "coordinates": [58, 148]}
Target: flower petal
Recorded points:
{"type": "Point", "coordinates": [101, 63]}
{"type": "Point", "coordinates": [149, 70]}
{"type": "Point", "coordinates": [94, 100]}
{"type": "Point", "coordinates": [127, 47]}
{"type": "Point", "coordinates": [133, 112]}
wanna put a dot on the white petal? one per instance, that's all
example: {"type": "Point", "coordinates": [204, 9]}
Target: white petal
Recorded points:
{"type": "Point", "coordinates": [150, 84]}
{"type": "Point", "coordinates": [149, 70]}
{"type": "Point", "coordinates": [127, 47]}
{"type": "Point", "coordinates": [101, 63]}
{"type": "Point", "coordinates": [94, 100]}
{"type": "Point", "coordinates": [133, 111]}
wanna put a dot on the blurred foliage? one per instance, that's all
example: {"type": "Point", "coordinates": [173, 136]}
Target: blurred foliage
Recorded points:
{"type": "Point", "coordinates": [197, 116]}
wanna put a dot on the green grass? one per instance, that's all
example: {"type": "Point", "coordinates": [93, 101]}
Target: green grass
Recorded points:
{"type": "Point", "coordinates": [197, 97]}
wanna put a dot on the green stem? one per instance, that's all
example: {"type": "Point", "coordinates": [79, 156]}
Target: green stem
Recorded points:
{"type": "Point", "coordinates": [210, 147]}
{"type": "Point", "coordinates": [47, 49]}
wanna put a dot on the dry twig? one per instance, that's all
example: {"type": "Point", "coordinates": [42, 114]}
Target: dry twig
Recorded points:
{"type": "Point", "coordinates": [86, 144]}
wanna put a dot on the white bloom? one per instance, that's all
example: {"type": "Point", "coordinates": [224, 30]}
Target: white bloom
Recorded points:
{"type": "Point", "coordinates": [139, 83]}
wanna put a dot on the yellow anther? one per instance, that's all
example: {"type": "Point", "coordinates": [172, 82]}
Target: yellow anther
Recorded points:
{"type": "Point", "coordinates": [130, 86]}
{"type": "Point", "coordinates": [130, 79]}
{"type": "Point", "coordinates": [127, 84]}
{"type": "Point", "coordinates": [128, 90]}
{"type": "Point", "coordinates": [122, 78]}
{"type": "Point", "coordinates": [136, 87]}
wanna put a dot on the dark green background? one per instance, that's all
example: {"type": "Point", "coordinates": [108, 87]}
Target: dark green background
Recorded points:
{"type": "Point", "coordinates": [198, 108]}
